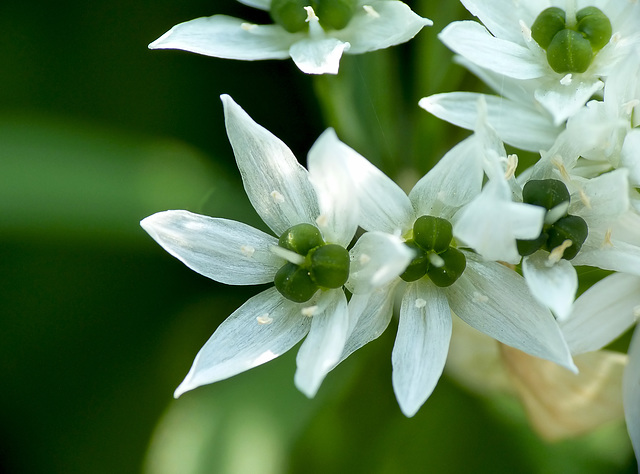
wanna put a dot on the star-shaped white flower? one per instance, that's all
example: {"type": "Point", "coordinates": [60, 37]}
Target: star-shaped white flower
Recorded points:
{"type": "Point", "coordinates": [285, 195]}
{"type": "Point", "coordinates": [375, 25]}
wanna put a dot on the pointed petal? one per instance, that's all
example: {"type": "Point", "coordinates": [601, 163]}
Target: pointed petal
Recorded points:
{"type": "Point", "coordinates": [226, 251]}
{"type": "Point", "coordinates": [318, 55]}
{"type": "Point", "coordinates": [553, 285]}
{"type": "Point", "coordinates": [495, 300]}
{"type": "Point", "coordinates": [277, 185]}
{"type": "Point", "coordinates": [421, 346]}
{"type": "Point", "coordinates": [226, 37]}
{"type": "Point", "coordinates": [601, 199]}
{"type": "Point", "coordinates": [322, 348]}
{"type": "Point", "coordinates": [564, 99]}
{"type": "Point", "coordinates": [261, 4]}
{"type": "Point", "coordinates": [502, 17]}
{"type": "Point", "coordinates": [631, 392]}
{"type": "Point", "coordinates": [474, 42]}
{"type": "Point", "coordinates": [382, 24]}
{"type": "Point", "coordinates": [263, 328]}
{"type": "Point", "coordinates": [602, 313]}
{"type": "Point", "coordinates": [377, 259]}
{"type": "Point", "coordinates": [329, 174]}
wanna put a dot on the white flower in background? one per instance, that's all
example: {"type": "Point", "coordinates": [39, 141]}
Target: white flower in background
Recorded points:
{"type": "Point", "coordinates": [314, 33]}
{"type": "Point", "coordinates": [442, 278]}
{"type": "Point", "coordinates": [560, 50]}
{"type": "Point", "coordinates": [315, 216]}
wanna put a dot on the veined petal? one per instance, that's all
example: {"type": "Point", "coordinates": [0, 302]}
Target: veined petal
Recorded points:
{"type": "Point", "coordinates": [554, 285]}
{"type": "Point", "coordinates": [600, 200]}
{"type": "Point", "coordinates": [602, 313]}
{"type": "Point", "coordinates": [263, 328]}
{"type": "Point", "coordinates": [631, 392]}
{"type": "Point", "coordinates": [379, 25]}
{"type": "Point", "coordinates": [318, 55]}
{"type": "Point", "coordinates": [502, 17]}
{"type": "Point", "coordinates": [226, 251]}
{"type": "Point", "coordinates": [277, 185]}
{"type": "Point", "coordinates": [226, 37]}
{"type": "Point", "coordinates": [495, 300]}
{"type": "Point", "coordinates": [421, 346]}
{"type": "Point", "coordinates": [474, 42]}
{"type": "Point", "coordinates": [564, 98]}
{"type": "Point", "coordinates": [322, 348]}
{"type": "Point", "coordinates": [337, 199]}
{"type": "Point", "coordinates": [606, 252]}
{"type": "Point", "coordinates": [516, 124]}
{"type": "Point", "coordinates": [377, 259]}
{"type": "Point", "coordinates": [629, 156]}
{"type": "Point", "coordinates": [261, 4]}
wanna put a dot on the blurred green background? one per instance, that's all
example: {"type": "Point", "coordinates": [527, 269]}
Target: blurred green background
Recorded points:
{"type": "Point", "coordinates": [98, 325]}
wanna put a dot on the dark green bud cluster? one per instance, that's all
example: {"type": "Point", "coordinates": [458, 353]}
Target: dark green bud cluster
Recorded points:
{"type": "Point", "coordinates": [571, 46]}
{"type": "Point", "coordinates": [432, 236]}
{"type": "Point", "coordinates": [325, 265]}
{"type": "Point", "coordinates": [332, 14]}
{"type": "Point", "coordinates": [549, 193]}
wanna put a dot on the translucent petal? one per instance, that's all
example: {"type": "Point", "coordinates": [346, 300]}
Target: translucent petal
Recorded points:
{"type": "Point", "coordinates": [630, 158]}
{"type": "Point", "coordinates": [382, 24]}
{"type": "Point", "coordinates": [318, 55]}
{"type": "Point", "coordinates": [421, 346]}
{"type": "Point", "coordinates": [321, 350]}
{"type": "Point", "coordinates": [226, 251]}
{"type": "Point", "coordinates": [495, 300]}
{"type": "Point", "coordinates": [226, 37]}
{"type": "Point", "coordinates": [261, 4]}
{"type": "Point", "coordinates": [502, 17]}
{"type": "Point", "coordinates": [599, 200]}
{"type": "Point", "coordinates": [377, 259]}
{"type": "Point", "coordinates": [277, 185]}
{"type": "Point", "coordinates": [602, 313]}
{"type": "Point", "coordinates": [564, 99]}
{"type": "Point", "coordinates": [631, 392]}
{"type": "Point", "coordinates": [263, 328]}
{"type": "Point", "coordinates": [553, 285]}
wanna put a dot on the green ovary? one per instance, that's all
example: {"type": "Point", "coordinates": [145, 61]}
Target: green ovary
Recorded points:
{"type": "Point", "coordinates": [332, 14]}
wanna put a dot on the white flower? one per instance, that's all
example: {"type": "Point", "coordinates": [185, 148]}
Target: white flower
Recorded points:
{"type": "Point", "coordinates": [505, 46]}
{"type": "Point", "coordinates": [487, 295]}
{"type": "Point", "coordinates": [375, 25]}
{"type": "Point", "coordinates": [285, 195]}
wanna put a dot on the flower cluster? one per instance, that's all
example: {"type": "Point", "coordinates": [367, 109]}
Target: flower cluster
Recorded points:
{"type": "Point", "coordinates": [476, 239]}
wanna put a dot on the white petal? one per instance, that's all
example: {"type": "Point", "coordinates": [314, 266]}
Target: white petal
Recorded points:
{"type": "Point", "coordinates": [473, 41]}
{"type": "Point", "coordinates": [226, 251]}
{"type": "Point", "coordinates": [421, 346]}
{"type": "Point", "coordinates": [631, 392]}
{"type": "Point", "coordinates": [563, 100]}
{"type": "Point", "coordinates": [261, 4]}
{"type": "Point", "coordinates": [337, 199]}
{"type": "Point", "coordinates": [377, 259]}
{"type": "Point", "coordinates": [631, 157]}
{"type": "Point", "coordinates": [321, 350]}
{"type": "Point", "coordinates": [318, 55]}
{"type": "Point", "coordinates": [223, 36]}
{"type": "Point", "coordinates": [244, 340]}
{"type": "Point", "coordinates": [602, 313]}
{"type": "Point", "coordinates": [601, 199]}
{"type": "Point", "coordinates": [385, 24]}
{"type": "Point", "coordinates": [495, 300]}
{"type": "Point", "coordinates": [515, 123]}
{"type": "Point", "coordinates": [502, 17]}
{"type": "Point", "coordinates": [277, 185]}
{"type": "Point", "coordinates": [553, 285]}
{"type": "Point", "coordinates": [609, 254]}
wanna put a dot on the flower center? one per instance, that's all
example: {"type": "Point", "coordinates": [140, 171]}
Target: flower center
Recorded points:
{"type": "Point", "coordinates": [561, 232]}
{"type": "Point", "coordinates": [435, 255]}
{"type": "Point", "coordinates": [332, 14]}
{"type": "Point", "coordinates": [320, 265]}
{"type": "Point", "coordinates": [571, 44]}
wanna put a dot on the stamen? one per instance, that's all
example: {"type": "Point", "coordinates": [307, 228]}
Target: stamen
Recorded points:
{"type": "Point", "coordinates": [247, 250]}
{"type": "Point", "coordinates": [585, 199]}
{"type": "Point", "coordinates": [322, 220]}
{"type": "Point", "coordinates": [420, 303]}
{"type": "Point", "coordinates": [370, 11]}
{"type": "Point", "coordinates": [311, 15]}
{"type": "Point", "coordinates": [556, 161]}
{"type": "Point", "coordinates": [566, 80]}
{"type": "Point", "coordinates": [436, 260]}
{"type": "Point", "coordinates": [277, 197]}
{"type": "Point", "coordinates": [479, 297]}
{"type": "Point", "coordinates": [248, 26]}
{"type": "Point", "coordinates": [309, 311]}
{"type": "Point", "coordinates": [288, 255]}
{"type": "Point", "coordinates": [264, 319]}
{"type": "Point", "coordinates": [606, 242]}
{"type": "Point", "coordinates": [556, 254]}
{"type": "Point", "coordinates": [512, 165]}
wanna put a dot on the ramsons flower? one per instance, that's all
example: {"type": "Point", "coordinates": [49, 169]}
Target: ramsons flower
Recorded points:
{"type": "Point", "coordinates": [314, 33]}
{"type": "Point", "coordinates": [314, 217]}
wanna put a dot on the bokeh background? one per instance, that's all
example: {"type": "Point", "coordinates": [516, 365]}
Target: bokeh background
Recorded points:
{"type": "Point", "coordinates": [98, 325]}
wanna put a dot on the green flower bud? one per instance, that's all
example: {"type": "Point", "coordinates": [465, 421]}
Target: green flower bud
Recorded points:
{"type": "Point", "coordinates": [301, 239]}
{"type": "Point", "coordinates": [454, 264]}
{"type": "Point", "coordinates": [334, 14]}
{"type": "Point", "coordinates": [295, 283]}
{"type": "Point", "coordinates": [595, 26]}
{"type": "Point", "coordinates": [571, 228]}
{"type": "Point", "coordinates": [432, 233]}
{"type": "Point", "coordinates": [547, 193]}
{"type": "Point", "coordinates": [527, 247]}
{"type": "Point", "coordinates": [329, 265]}
{"type": "Point", "coordinates": [290, 14]}
{"type": "Point", "coordinates": [549, 23]}
{"type": "Point", "coordinates": [569, 51]}
{"type": "Point", "coordinates": [418, 266]}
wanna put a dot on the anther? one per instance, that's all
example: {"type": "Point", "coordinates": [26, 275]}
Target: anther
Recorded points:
{"type": "Point", "coordinates": [479, 297]}
{"type": "Point", "coordinates": [277, 197]}
{"type": "Point", "coordinates": [566, 80]}
{"type": "Point", "coordinates": [247, 250]}
{"type": "Point", "coordinates": [248, 26]}
{"type": "Point", "coordinates": [420, 303]}
{"type": "Point", "coordinates": [512, 165]}
{"type": "Point", "coordinates": [264, 319]}
{"type": "Point", "coordinates": [309, 311]}
{"type": "Point", "coordinates": [556, 254]}
{"type": "Point", "coordinates": [585, 199]}
{"type": "Point", "coordinates": [371, 11]}
{"type": "Point", "coordinates": [606, 242]}
{"type": "Point", "coordinates": [311, 15]}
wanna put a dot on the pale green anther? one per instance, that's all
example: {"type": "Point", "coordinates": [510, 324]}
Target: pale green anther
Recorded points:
{"type": "Point", "coordinates": [295, 283]}
{"type": "Point", "coordinates": [290, 14]}
{"type": "Point", "coordinates": [569, 51]}
{"type": "Point", "coordinates": [329, 266]}
{"type": "Point", "coordinates": [447, 274]}
{"type": "Point", "coordinates": [550, 22]}
{"type": "Point", "coordinates": [334, 14]}
{"type": "Point", "coordinates": [301, 239]}
{"type": "Point", "coordinates": [432, 233]}
{"type": "Point", "coordinates": [595, 26]}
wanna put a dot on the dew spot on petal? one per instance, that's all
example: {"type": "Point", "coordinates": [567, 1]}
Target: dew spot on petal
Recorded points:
{"type": "Point", "coordinates": [264, 319]}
